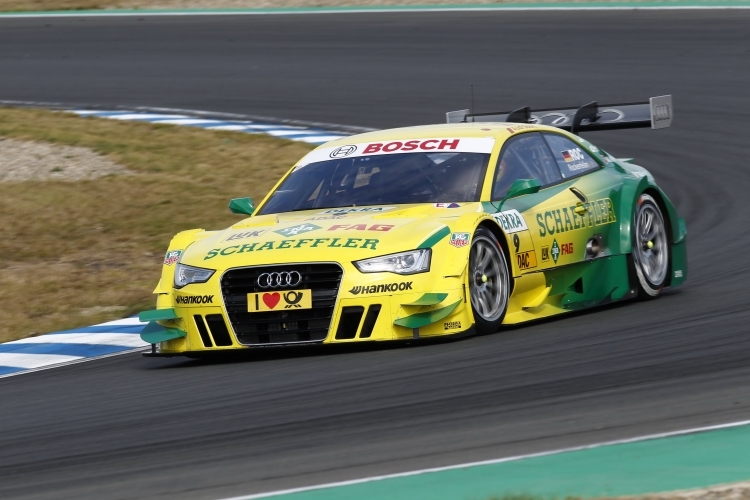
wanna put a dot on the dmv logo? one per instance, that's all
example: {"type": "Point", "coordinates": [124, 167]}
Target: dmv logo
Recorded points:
{"type": "Point", "coordinates": [573, 155]}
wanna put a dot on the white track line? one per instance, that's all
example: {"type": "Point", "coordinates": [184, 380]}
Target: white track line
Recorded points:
{"type": "Point", "coordinates": [322, 10]}
{"type": "Point", "coordinates": [490, 462]}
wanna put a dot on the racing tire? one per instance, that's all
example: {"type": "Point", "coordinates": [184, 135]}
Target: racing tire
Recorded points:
{"type": "Point", "coordinates": [489, 282]}
{"type": "Point", "coordinates": [650, 248]}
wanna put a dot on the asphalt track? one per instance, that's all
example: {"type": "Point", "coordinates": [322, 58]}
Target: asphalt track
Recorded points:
{"type": "Point", "coordinates": [128, 427]}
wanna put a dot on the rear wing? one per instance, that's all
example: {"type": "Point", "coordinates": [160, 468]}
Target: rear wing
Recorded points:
{"type": "Point", "coordinates": [656, 113]}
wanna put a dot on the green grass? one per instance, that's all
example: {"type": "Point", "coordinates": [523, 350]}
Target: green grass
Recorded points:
{"type": "Point", "coordinates": [76, 253]}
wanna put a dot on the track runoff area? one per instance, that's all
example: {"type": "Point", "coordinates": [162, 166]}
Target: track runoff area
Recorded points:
{"type": "Point", "coordinates": [681, 460]}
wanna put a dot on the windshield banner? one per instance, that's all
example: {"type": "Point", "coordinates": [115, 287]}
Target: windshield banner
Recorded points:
{"type": "Point", "coordinates": [441, 145]}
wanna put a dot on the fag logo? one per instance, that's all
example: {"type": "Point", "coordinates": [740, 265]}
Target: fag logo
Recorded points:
{"type": "Point", "coordinates": [172, 257]}
{"type": "Point", "coordinates": [389, 287]}
{"type": "Point", "coordinates": [343, 151]}
{"type": "Point", "coordinates": [459, 240]}
{"type": "Point", "coordinates": [362, 227]}
{"type": "Point", "coordinates": [545, 254]}
{"type": "Point", "coordinates": [446, 205]}
{"type": "Point", "coordinates": [555, 251]}
{"type": "Point", "coordinates": [298, 229]}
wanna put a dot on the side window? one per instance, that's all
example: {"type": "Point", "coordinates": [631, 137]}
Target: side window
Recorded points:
{"type": "Point", "coordinates": [571, 158]}
{"type": "Point", "coordinates": [525, 156]}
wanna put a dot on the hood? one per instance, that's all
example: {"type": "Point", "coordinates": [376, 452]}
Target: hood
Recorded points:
{"type": "Point", "coordinates": [324, 235]}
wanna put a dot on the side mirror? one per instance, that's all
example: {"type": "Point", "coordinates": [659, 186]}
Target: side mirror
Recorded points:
{"type": "Point", "coordinates": [521, 187]}
{"type": "Point", "coordinates": [242, 206]}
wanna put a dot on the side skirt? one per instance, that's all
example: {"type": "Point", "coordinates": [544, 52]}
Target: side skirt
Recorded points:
{"type": "Point", "coordinates": [569, 288]}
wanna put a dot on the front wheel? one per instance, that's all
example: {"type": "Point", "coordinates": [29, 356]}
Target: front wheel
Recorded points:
{"type": "Point", "coordinates": [489, 282]}
{"type": "Point", "coordinates": [650, 248]}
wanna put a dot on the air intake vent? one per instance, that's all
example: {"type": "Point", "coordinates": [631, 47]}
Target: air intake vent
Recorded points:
{"type": "Point", "coordinates": [205, 337]}
{"type": "Point", "coordinates": [372, 316]}
{"type": "Point", "coordinates": [349, 322]}
{"type": "Point", "coordinates": [219, 330]}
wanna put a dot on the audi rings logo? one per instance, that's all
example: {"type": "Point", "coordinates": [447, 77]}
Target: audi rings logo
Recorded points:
{"type": "Point", "coordinates": [343, 151]}
{"type": "Point", "coordinates": [276, 280]}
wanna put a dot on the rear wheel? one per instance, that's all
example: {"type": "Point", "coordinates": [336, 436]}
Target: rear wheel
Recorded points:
{"type": "Point", "coordinates": [489, 282]}
{"type": "Point", "coordinates": [650, 247]}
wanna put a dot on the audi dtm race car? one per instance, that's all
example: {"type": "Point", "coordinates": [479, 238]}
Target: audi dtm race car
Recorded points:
{"type": "Point", "coordinates": [460, 228]}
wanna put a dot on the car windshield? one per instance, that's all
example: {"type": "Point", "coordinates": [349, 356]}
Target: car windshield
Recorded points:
{"type": "Point", "coordinates": [381, 179]}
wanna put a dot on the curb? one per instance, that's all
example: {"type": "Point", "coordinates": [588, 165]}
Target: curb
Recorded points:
{"type": "Point", "coordinates": [308, 135]}
{"type": "Point", "coordinates": [71, 346]}
{"type": "Point", "coordinates": [329, 127]}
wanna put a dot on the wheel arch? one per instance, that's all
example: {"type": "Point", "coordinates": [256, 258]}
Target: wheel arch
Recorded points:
{"type": "Point", "coordinates": [658, 196]}
{"type": "Point", "coordinates": [489, 225]}
{"type": "Point", "coordinates": [499, 234]}
{"type": "Point", "coordinates": [497, 231]}
{"type": "Point", "coordinates": [632, 191]}
{"type": "Point", "coordinates": [672, 220]}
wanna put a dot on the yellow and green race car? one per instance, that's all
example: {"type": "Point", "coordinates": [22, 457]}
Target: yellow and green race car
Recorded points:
{"type": "Point", "coordinates": [428, 231]}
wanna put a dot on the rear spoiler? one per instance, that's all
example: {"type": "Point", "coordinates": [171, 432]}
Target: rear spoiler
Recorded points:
{"type": "Point", "coordinates": [656, 113]}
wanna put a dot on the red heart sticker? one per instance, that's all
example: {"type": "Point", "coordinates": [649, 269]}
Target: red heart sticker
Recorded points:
{"type": "Point", "coordinates": [271, 299]}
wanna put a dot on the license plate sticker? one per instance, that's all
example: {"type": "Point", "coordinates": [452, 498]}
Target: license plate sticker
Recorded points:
{"type": "Point", "coordinates": [279, 301]}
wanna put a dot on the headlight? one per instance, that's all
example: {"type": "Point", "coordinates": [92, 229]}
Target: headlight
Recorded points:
{"type": "Point", "coordinates": [184, 275]}
{"type": "Point", "coordinates": [412, 262]}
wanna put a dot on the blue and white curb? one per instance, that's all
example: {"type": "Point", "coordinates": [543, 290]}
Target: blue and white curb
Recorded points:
{"type": "Point", "coordinates": [295, 133]}
{"type": "Point", "coordinates": [71, 346]}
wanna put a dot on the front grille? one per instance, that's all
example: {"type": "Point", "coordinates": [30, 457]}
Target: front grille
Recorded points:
{"type": "Point", "coordinates": [288, 326]}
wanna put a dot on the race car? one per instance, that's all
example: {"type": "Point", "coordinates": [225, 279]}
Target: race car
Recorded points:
{"type": "Point", "coordinates": [442, 230]}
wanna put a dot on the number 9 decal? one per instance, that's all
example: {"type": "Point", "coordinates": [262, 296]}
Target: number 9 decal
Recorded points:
{"type": "Point", "coordinates": [516, 242]}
